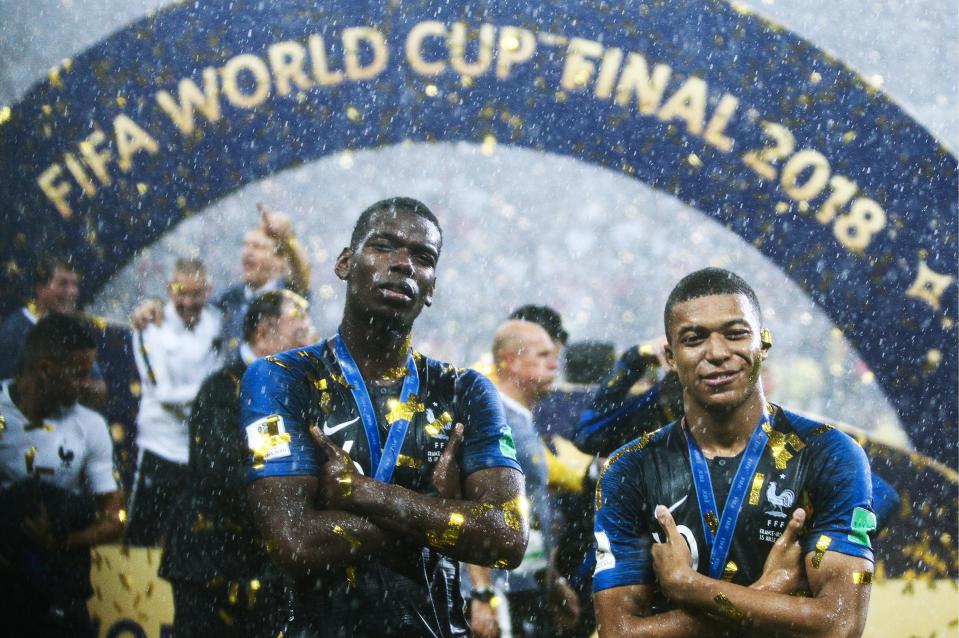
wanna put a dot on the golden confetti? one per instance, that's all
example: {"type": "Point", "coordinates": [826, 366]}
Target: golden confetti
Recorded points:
{"type": "Point", "coordinates": [516, 513]}
{"type": "Point", "coordinates": [351, 576]}
{"type": "Point", "coordinates": [481, 509]}
{"type": "Point", "coordinates": [489, 145]}
{"type": "Point", "coordinates": [233, 593]}
{"type": "Point", "coordinates": [500, 564]}
{"type": "Point", "coordinates": [757, 488]}
{"type": "Point", "coordinates": [822, 545]}
{"type": "Point", "coordinates": [403, 411]}
{"type": "Point", "coordinates": [777, 445]}
{"type": "Point", "coordinates": [408, 461]}
{"type": "Point", "coordinates": [276, 361]}
{"type": "Point", "coordinates": [320, 384]}
{"type": "Point", "coordinates": [862, 578]}
{"type": "Point", "coordinates": [5, 114]}
{"type": "Point", "coordinates": [251, 592]}
{"type": "Point", "coordinates": [225, 618]}
{"type": "Point", "coordinates": [326, 402]}
{"type": "Point", "coordinates": [450, 535]}
{"type": "Point", "coordinates": [3, 424]}
{"type": "Point", "coordinates": [142, 188]}
{"type": "Point", "coordinates": [431, 90]}
{"type": "Point", "coordinates": [728, 609]}
{"type": "Point", "coordinates": [822, 429]}
{"type": "Point", "coordinates": [694, 160]}
{"type": "Point", "coordinates": [394, 374]}
{"type": "Point", "coordinates": [28, 458]}
{"type": "Point", "coordinates": [436, 427]}
{"type": "Point", "coordinates": [269, 442]}
{"type": "Point", "coordinates": [347, 536]}
{"type": "Point", "coordinates": [729, 572]}
{"type": "Point", "coordinates": [712, 521]}
{"type": "Point", "coordinates": [353, 114]}
{"type": "Point", "coordinates": [345, 481]}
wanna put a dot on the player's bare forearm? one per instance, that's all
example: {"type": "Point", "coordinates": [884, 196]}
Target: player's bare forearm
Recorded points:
{"type": "Point", "coordinates": [840, 587]}
{"type": "Point", "coordinates": [487, 527]}
{"type": "Point", "coordinates": [305, 538]}
{"type": "Point", "coordinates": [623, 612]}
{"type": "Point", "coordinates": [107, 528]}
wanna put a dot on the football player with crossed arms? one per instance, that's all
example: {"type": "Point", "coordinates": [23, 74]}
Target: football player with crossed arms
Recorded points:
{"type": "Point", "coordinates": [706, 526]}
{"type": "Point", "coordinates": [374, 468]}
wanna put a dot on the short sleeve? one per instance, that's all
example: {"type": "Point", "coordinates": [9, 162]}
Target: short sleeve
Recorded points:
{"type": "Point", "coordinates": [274, 416]}
{"type": "Point", "coordinates": [99, 467]}
{"type": "Point", "coordinates": [622, 528]}
{"type": "Point", "coordinates": [487, 439]}
{"type": "Point", "coordinates": [841, 493]}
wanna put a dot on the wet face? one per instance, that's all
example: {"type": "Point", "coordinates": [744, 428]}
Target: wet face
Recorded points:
{"type": "Point", "coordinates": [65, 378]}
{"type": "Point", "coordinates": [189, 293]}
{"type": "Point", "coordinates": [535, 363]}
{"type": "Point", "coordinates": [392, 274]}
{"type": "Point", "coordinates": [714, 347]}
{"type": "Point", "coordinates": [260, 261]}
{"type": "Point", "coordinates": [60, 294]}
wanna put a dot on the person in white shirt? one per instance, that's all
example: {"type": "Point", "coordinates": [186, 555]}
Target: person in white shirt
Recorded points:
{"type": "Point", "coordinates": [173, 360]}
{"type": "Point", "coordinates": [58, 489]}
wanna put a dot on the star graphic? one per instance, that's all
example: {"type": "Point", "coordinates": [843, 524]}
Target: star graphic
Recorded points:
{"type": "Point", "coordinates": [929, 285]}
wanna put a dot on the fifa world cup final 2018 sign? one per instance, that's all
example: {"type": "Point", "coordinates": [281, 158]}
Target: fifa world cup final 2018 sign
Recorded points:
{"type": "Point", "coordinates": [734, 116]}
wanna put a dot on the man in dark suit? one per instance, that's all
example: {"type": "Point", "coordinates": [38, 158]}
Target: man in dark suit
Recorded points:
{"type": "Point", "coordinates": [223, 582]}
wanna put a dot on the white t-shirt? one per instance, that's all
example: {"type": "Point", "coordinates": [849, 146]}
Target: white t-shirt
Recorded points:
{"type": "Point", "coordinates": [173, 361]}
{"type": "Point", "coordinates": [71, 450]}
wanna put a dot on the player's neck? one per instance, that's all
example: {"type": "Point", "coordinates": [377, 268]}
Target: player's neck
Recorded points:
{"type": "Point", "coordinates": [379, 348]}
{"type": "Point", "coordinates": [516, 391]}
{"type": "Point", "coordinates": [24, 392]}
{"type": "Point", "coordinates": [724, 432]}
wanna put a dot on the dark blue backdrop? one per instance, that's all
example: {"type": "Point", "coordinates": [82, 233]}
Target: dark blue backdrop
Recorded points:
{"type": "Point", "coordinates": [888, 283]}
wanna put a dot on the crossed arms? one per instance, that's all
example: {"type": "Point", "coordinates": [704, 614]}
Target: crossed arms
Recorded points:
{"type": "Point", "coordinates": [709, 607]}
{"type": "Point", "coordinates": [340, 516]}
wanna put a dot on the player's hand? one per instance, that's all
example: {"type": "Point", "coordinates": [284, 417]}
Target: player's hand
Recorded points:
{"type": "Point", "coordinates": [446, 472]}
{"type": "Point", "coordinates": [336, 474]}
{"type": "Point", "coordinates": [149, 311]}
{"type": "Point", "coordinates": [565, 604]}
{"type": "Point", "coordinates": [483, 620]}
{"type": "Point", "coordinates": [275, 225]}
{"type": "Point", "coordinates": [783, 570]}
{"type": "Point", "coordinates": [672, 561]}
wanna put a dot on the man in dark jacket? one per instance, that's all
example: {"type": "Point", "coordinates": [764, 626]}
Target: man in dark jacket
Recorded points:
{"type": "Point", "coordinates": [223, 580]}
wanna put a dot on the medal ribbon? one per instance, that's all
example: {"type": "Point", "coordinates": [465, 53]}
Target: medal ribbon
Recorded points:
{"type": "Point", "coordinates": [720, 542]}
{"type": "Point", "coordinates": [382, 460]}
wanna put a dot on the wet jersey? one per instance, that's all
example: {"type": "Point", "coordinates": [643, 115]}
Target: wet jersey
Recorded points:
{"type": "Point", "coordinates": [804, 464]}
{"type": "Point", "coordinates": [283, 395]}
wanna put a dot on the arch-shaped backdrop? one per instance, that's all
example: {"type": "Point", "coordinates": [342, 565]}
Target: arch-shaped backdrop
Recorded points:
{"type": "Point", "coordinates": [733, 115]}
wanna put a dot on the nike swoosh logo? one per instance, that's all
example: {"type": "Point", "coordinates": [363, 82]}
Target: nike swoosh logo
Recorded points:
{"type": "Point", "coordinates": [677, 503]}
{"type": "Point", "coordinates": [329, 431]}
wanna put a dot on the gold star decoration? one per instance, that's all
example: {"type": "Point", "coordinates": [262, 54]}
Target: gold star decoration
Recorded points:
{"type": "Point", "coordinates": [929, 285]}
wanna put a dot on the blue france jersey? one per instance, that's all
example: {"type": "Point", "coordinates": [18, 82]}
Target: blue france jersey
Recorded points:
{"type": "Point", "coordinates": [805, 464]}
{"type": "Point", "coordinates": [283, 395]}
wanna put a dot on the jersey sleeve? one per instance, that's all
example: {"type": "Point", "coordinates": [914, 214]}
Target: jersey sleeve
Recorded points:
{"type": "Point", "coordinates": [487, 439]}
{"type": "Point", "coordinates": [841, 496]}
{"type": "Point", "coordinates": [99, 466]}
{"type": "Point", "coordinates": [275, 418]}
{"type": "Point", "coordinates": [622, 528]}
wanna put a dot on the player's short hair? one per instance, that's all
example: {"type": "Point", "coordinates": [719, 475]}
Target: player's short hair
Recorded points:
{"type": "Point", "coordinates": [189, 266]}
{"type": "Point", "coordinates": [53, 336]}
{"type": "Point", "coordinates": [544, 316]}
{"type": "Point", "coordinates": [395, 204]}
{"type": "Point", "coordinates": [269, 305]}
{"type": "Point", "coordinates": [705, 282]}
{"type": "Point", "coordinates": [47, 266]}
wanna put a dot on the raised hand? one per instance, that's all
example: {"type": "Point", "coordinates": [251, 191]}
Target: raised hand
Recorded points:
{"type": "Point", "coordinates": [276, 225]}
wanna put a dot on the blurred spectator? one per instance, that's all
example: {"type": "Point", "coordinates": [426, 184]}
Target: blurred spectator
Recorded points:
{"type": "Point", "coordinates": [272, 259]}
{"type": "Point", "coordinates": [540, 600]}
{"type": "Point", "coordinates": [58, 490]}
{"type": "Point", "coordinates": [173, 359]}
{"type": "Point", "coordinates": [224, 583]}
{"type": "Point", "coordinates": [615, 416]}
{"type": "Point", "coordinates": [56, 289]}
